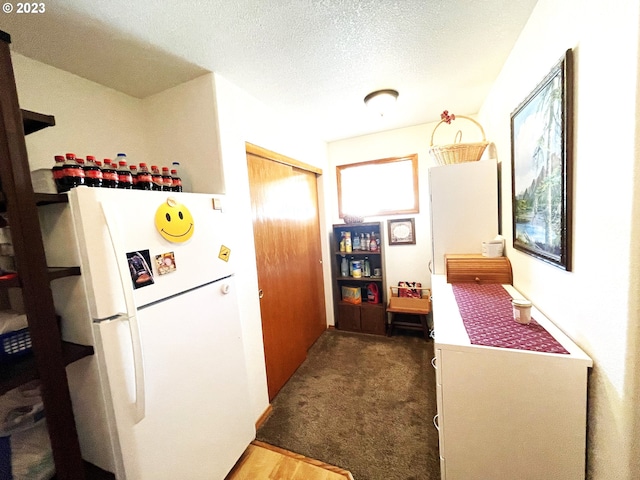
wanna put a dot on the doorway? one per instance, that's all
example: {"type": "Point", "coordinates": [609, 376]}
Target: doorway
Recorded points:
{"type": "Point", "coordinates": [286, 230]}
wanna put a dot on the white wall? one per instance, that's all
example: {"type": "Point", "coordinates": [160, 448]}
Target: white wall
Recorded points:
{"type": "Point", "coordinates": [402, 262]}
{"type": "Point", "coordinates": [241, 119]}
{"type": "Point", "coordinates": [595, 303]}
{"type": "Point", "coordinates": [90, 119]}
{"type": "Point", "coordinates": [181, 125]}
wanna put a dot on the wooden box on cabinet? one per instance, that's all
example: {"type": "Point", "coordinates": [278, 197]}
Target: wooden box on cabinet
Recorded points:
{"type": "Point", "coordinates": [365, 317]}
{"type": "Point", "coordinates": [474, 268]}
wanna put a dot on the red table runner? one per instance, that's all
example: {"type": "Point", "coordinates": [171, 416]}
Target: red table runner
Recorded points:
{"type": "Point", "coordinates": [487, 315]}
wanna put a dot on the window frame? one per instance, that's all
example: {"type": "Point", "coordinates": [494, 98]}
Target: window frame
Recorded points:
{"type": "Point", "coordinates": [413, 158]}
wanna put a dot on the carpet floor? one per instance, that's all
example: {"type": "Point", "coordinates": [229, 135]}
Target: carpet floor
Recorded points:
{"type": "Point", "coordinates": [364, 403]}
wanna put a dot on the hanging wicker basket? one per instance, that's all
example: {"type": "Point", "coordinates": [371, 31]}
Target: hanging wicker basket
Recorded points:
{"type": "Point", "coordinates": [458, 152]}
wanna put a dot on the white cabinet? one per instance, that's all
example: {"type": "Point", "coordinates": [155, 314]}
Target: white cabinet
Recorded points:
{"type": "Point", "coordinates": [464, 208]}
{"type": "Point", "coordinates": [506, 413]}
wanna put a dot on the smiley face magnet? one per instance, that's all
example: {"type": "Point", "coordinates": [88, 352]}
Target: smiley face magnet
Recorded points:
{"type": "Point", "coordinates": [174, 221]}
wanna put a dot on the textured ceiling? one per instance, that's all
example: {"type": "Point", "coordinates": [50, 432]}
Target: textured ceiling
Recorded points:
{"type": "Point", "coordinates": [313, 60]}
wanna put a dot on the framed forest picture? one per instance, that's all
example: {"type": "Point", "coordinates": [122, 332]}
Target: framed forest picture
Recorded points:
{"type": "Point", "coordinates": [541, 147]}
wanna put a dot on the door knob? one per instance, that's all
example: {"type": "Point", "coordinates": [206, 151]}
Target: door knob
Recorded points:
{"type": "Point", "coordinates": [260, 293]}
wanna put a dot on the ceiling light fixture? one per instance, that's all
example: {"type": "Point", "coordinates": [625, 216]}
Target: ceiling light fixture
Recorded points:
{"type": "Point", "coordinates": [381, 100]}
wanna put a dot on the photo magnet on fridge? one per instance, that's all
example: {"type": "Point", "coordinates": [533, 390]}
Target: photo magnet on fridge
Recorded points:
{"type": "Point", "coordinates": [140, 268]}
{"type": "Point", "coordinates": [165, 263]}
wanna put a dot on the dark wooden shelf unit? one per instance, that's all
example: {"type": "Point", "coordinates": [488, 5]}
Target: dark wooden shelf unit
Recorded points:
{"type": "Point", "coordinates": [33, 121]}
{"type": "Point", "coordinates": [53, 273]}
{"type": "Point", "coordinates": [50, 198]}
{"type": "Point", "coordinates": [362, 279]}
{"type": "Point", "coordinates": [365, 317]}
{"type": "Point", "coordinates": [50, 356]}
{"type": "Point", "coordinates": [19, 372]}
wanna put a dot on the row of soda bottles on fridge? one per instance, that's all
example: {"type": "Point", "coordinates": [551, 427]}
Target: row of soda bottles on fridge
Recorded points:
{"type": "Point", "coordinates": [71, 171]}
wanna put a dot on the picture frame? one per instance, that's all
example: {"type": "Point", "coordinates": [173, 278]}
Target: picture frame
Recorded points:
{"type": "Point", "coordinates": [402, 231]}
{"type": "Point", "coordinates": [541, 164]}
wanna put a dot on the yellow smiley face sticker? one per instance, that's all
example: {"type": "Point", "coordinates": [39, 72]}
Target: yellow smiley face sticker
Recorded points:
{"type": "Point", "coordinates": [174, 221]}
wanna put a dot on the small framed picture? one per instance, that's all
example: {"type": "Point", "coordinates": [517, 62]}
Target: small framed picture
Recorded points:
{"type": "Point", "coordinates": [402, 231]}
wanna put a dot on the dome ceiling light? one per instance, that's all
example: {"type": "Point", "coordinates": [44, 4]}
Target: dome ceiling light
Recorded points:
{"type": "Point", "coordinates": [381, 101]}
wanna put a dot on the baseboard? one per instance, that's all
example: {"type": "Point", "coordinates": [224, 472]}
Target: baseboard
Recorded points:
{"type": "Point", "coordinates": [264, 416]}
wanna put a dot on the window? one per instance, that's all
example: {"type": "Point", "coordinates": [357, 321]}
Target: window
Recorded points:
{"type": "Point", "coordinates": [379, 187]}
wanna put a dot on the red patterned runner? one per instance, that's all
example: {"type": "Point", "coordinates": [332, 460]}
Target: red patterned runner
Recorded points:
{"type": "Point", "coordinates": [487, 315]}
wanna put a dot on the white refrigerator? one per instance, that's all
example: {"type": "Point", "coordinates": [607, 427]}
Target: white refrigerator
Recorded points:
{"type": "Point", "coordinates": [166, 394]}
{"type": "Point", "coordinates": [464, 208]}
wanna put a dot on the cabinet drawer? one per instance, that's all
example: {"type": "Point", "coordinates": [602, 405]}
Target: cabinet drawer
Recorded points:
{"type": "Point", "coordinates": [478, 269]}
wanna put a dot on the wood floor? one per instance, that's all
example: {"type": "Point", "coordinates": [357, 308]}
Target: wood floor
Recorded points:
{"type": "Point", "coordinates": [262, 461]}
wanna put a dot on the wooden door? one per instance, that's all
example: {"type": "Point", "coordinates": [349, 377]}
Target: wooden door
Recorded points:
{"type": "Point", "coordinates": [287, 238]}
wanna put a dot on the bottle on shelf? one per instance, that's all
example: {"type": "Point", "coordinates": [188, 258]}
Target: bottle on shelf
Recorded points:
{"type": "Point", "coordinates": [344, 267]}
{"type": "Point", "coordinates": [156, 178]}
{"type": "Point", "coordinates": [167, 180]}
{"type": "Point", "coordinates": [366, 267]}
{"type": "Point", "coordinates": [373, 244]}
{"type": "Point", "coordinates": [367, 242]}
{"type": "Point", "coordinates": [58, 173]}
{"type": "Point", "coordinates": [92, 173]}
{"type": "Point", "coordinates": [347, 242]}
{"type": "Point", "coordinates": [351, 266]}
{"type": "Point", "coordinates": [362, 241]}
{"type": "Point", "coordinates": [185, 181]}
{"type": "Point", "coordinates": [134, 176]}
{"type": "Point", "coordinates": [342, 247]}
{"type": "Point", "coordinates": [176, 181]}
{"type": "Point", "coordinates": [109, 174]}
{"type": "Point", "coordinates": [125, 179]}
{"type": "Point", "coordinates": [73, 172]}
{"type": "Point", "coordinates": [145, 182]}
{"type": "Point", "coordinates": [356, 243]}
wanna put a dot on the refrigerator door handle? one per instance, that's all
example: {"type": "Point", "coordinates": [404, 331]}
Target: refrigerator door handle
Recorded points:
{"type": "Point", "coordinates": [134, 329]}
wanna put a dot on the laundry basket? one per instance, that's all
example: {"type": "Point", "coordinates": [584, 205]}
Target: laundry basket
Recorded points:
{"type": "Point", "coordinates": [458, 152]}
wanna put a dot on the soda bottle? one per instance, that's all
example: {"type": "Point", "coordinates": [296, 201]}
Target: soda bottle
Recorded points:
{"type": "Point", "coordinates": [167, 180]}
{"type": "Point", "coordinates": [92, 173]}
{"type": "Point", "coordinates": [134, 176]}
{"type": "Point", "coordinates": [125, 179]}
{"type": "Point", "coordinates": [109, 174]}
{"type": "Point", "coordinates": [185, 182]}
{"type": "Point", "coordinates": [176, 181]}
{"type": "Point", "coordinates": [73, 172]}
{"type": "Point", "coordinates": [145, 182]}
{"type": "Point", "coordinates": [58, 173]}
{"type": "Point", "coordinates": [156, 178]}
